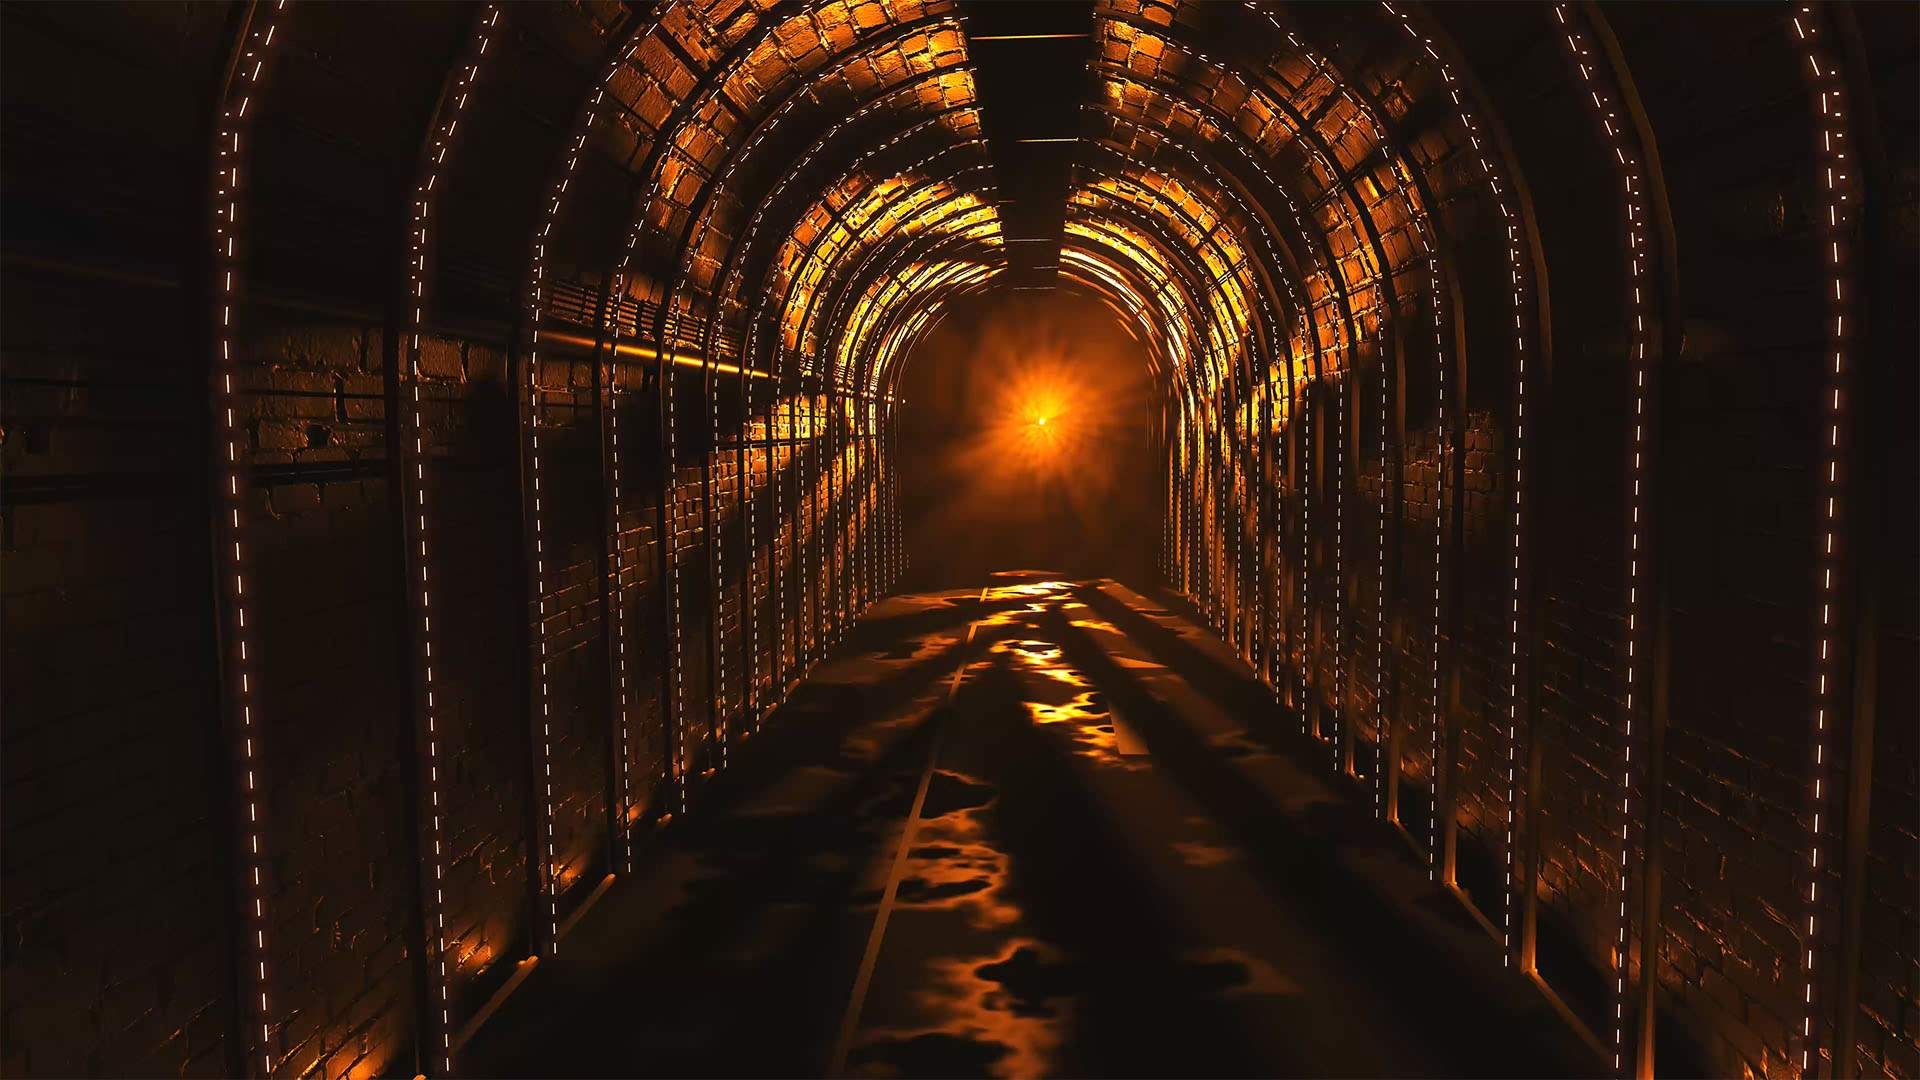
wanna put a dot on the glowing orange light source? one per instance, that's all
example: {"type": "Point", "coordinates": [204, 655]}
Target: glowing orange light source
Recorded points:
{"type": "Point", "coordinates": [1039, 421]}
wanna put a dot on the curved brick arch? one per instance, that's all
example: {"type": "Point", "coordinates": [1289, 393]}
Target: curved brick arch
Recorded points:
{"type": "Point", "coordinates": [530, 434]}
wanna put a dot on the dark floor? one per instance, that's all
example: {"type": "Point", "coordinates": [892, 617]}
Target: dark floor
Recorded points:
{"type": "Point", "coordinates": [1121, 858]}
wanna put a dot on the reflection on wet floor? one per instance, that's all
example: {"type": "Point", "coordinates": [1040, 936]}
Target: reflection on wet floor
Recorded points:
{"type": "Point", "coordinates": [974, 982]}
{"type": "Point", "coordinates": [1118, 867]}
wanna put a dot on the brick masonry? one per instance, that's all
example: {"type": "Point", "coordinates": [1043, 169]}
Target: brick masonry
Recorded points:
{"type": "Point", "coordinates": [120, 860]}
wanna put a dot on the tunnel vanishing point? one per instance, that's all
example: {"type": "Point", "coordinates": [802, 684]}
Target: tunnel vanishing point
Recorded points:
{"type": "Point", "coordinates": [464, 611]}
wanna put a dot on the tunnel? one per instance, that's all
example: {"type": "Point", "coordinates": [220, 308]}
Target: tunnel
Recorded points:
{"type": "Point", "coordinates": [959, 538]}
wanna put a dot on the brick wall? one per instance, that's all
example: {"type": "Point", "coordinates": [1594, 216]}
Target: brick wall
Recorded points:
{"type": "Point", "coordinates": [119, 859]}
{"type": "Point", "coordinates": [474, 519]}
{"type": "Point", "coordinates": [332, 719]}
{"type": "Point", "coordinates": [115, 875]}
{"type": "Point", "coordinates": [115, 868]}
{"type": "Point", "coordinates": [1741, 406]}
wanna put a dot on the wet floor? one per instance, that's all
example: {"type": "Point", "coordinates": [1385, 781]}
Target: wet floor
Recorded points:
{"type": "Point", "coordinates": [1038, 828]}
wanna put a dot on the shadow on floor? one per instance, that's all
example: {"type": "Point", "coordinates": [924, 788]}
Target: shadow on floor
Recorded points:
{"type": "Point", "coordinates": [1126, 862]}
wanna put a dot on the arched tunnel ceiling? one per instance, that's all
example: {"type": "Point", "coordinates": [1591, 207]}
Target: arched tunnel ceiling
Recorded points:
{"type": "Point", "coordinates": [759, 185]}
{"type": "Point", "coordinates": [808, 181]}
{"type": "Point", "coordinates": [768, 185]}
{"type": "Point", "coordinates": [1469, 324]}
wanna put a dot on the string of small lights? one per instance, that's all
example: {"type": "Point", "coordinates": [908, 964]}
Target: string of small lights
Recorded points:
{"type": "Point", "coordinates": [1380, 587]}
{"type": "Point", "coordinates": [896, 539]}
{"type": "Point", "coordinates": [670, 318]}
{"type": "Point", "coordinates": [1252, 499]}
{"type": "Point", "coordinates": [623, 701]}
{"type": "Point", "coordinates": [851, 482]}
{"type": "Point", "coordinates": [826, 601]}
{"type": "Point", "coordinates": [1303, 498]}
{"type": "Point", "coordinates": [816, 545]}
{"type": "Point", "coordinates": [778, 477]}
{"type": "Point", "coordinates": [964, 216]}
{"type": "Point", "coordinates": [551, 868]}
{"type": "Point", "coordinates": [728, 289]}
{"type": "Point", "coordinates": [750, 506]}
{"type": "Point", "coordinates": [1265, 238]}
{"type": "Point", "coordinates": [1435, 717]}
{"type": "Point", "coordinates": [794, 481]}
{"type": "Point", "coordinates": [1339, 346]}
{"type": "Point", "coordinates": [1338, 435]}
{"type": "Point", "coordinates": [233, 123]}
{"type": "Point", "coordinates": [1838, 185]}
{"type": "Point", "coordinates": [870, 503]}
{"type": "Point", "coordinates": [552, 872]}
{"type": "Point", "coordinates": [716, 545]}
{"type": "Point", "coordinates": [419, 551]}
{"type": "Point", "coordinates": [1416, 213]}
{"type": "Point", "coordinates": [824, 598]}
{"type": "Point", "coordinates": [835, 484]}
{"type": "Point", "coordinates": [668, 515]}
{"type": "Point", "coordinates": [1626, 153]}
{"type": "Point", "coordinates": [1517, 285]}
{"type": "Point", "coordinates": [842, 507]}
{"type": "Point", "coordinates": [1320, 68]}
{"type": "Point", "coordinates": [1223, 469]}
{"type": "Point", "coordinates": [1246, 496]}
{"type": "Point", "coordinates": [861, 532]}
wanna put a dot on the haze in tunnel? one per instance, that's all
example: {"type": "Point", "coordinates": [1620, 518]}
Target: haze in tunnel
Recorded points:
{"type": "Point", "coordinates": [514, 516]}
{"type": "Point", "coordinates": [1026, 442]}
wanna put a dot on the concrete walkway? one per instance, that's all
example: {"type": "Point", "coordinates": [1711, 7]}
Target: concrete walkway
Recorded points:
{"type": "Point", "coordinates": [1042, 827]}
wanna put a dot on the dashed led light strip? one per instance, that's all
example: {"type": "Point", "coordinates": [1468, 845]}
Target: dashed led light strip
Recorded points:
{"type": "Point", "coordinates": [1228, 463]}
{"type": "Point", "coordinates": [669, 465]}
{"type": "Point", "coordinates": [876, 308]}
{"type": "Point", "coordinates": [1838, 184]}
{"type": "Point", "coordinates": [720, 720]}
{"type": "Point", "coordinates": [623, 689]}
{"type": "Point", "coordinates": [1440, 442]}
{"type": "Point", "coordinates": [1338, 434]}
{"type": "Point", "coordinates": [1436, 717]}
{"type": "Point", "coordinates": [875, 550]}
{"type": "Point", "coordinates": [1339, 344]}
{"type": "Point", "coordinates": [422, 204]}
{"type": "Point", "coordinates": [1251, 502]}
{"type": "Point", "coordinates": [717, 579]}
{"type": "Point", "coordinates": [816, 480]}
{"type": "Point", "coordinates": [1172, 564]}
{"type": "Point", "coordinates": [233, 124]}
{"type": "Point", "coordinates": [961, 213]}
{"type": "Point", "coordinates": [536, 310]}
{"type": "Point", "coordinates": [1516, 282]}
{"type": "Point", "coordinates": [835, 487]}
{"type": "Point", "coordinates": [1419, 221]}
{"type": "Point", "coordinates": [667, 352]}
{"type": "Point", "coordinates": [663, 513]}
{"type": "Point", "coordinates": [1346, 220]}
{"type": "Point", "coordinates": [669, 536]}
{"type": "Point", "coordinates": [1417, 215]}
{"type": "Point", "coordinates": [750, 500]}
{"type": "Point", "coordinates": [1380, 587]}
{"type": "Point", "coordinates": [1626, 154]}
{"type": "Point", "coordinates": [1303, 417]}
